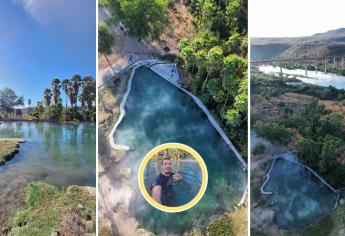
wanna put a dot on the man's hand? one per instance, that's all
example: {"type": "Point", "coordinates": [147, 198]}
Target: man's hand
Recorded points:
{"type": "Point", "coordinates": [156, 193]}
{"type": "Point", "coordinates": [177, 177]}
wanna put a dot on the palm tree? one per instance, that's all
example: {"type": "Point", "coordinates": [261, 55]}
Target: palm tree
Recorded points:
{"type": "Point", "coordinates": [74, 89]}
{"type": "Point", "coordinates": [87, 96]}
{"type": "Point", "coordinates": [56, 85]}
{"type": "Point", "coordinates": [105, 42]}
{"type": "Point", "coordinates": [47, 97]}
{"type": "Point", "coordinates": [89, 90]}
{"type": "Point", "coordinates": [65, 86]}
{"type": "Point", "coordinates": [29, 103]}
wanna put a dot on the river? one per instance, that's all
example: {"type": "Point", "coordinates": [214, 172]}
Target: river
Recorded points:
{"type": "Point", "coordinates": [59, 154]}
{"type": "Point", "coordinates": [319, 78]}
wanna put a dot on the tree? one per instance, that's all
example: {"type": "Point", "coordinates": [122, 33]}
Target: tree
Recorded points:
{"type": "Point", "coordinates": [142, 17]}
{"type": "Point", "coordinates": [328, 153]}
{"type": "Point", "coordinates": [105, 42]}
{"type": "Point", "coordinates": [39, 110]}
{"type": "Point", "coordinates": [236, 15]}
{"type": "Point", "coordinates": [29, 103]}
{"type": "Point", "coordinates": [19, 112]}
{"type": "Point", "coordinates": [56, 85]}
{"type": "Point", "coordinates": [311, 115]}
{"type": "Point", "coordinates": [9, 100]}
{"type": "Point", "coordinates": [88, 96]}
{"type": "Point", "coordinates": [65, 86]}
{"type": "Point", "coordinates": [74, 90]}
{"type": "Point", "coordinates": [47, 97]}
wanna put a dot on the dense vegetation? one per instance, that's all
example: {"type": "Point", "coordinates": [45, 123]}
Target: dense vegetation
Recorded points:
{"type": "Point", "coordinates": [48, 210]}
{"type": "Point", "coordinates": [215, 59]}
{"type": "Point", "coordinates": [172, 153]}
{"type": "Point", "coordinates": [321, 132]}
{"type": "Point", "coordinates": [141, 18]}
{"type": "Point", "coordinates": [323, 144]}
{"type": "Point", "coordinates": [216, 63]}
{"type": "Point", "coordinates": [275, 132]}
{"type": "Point", "coordinates": [77, 89]}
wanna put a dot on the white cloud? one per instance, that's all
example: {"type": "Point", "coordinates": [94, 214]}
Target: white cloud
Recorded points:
{"type": "Point", "coordinates": [45, 11]}
{"type": "Point", "coordinates": [276, 18]}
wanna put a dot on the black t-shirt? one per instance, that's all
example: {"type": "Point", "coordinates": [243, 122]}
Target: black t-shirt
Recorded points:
{"type": "Point", "coordinates": [168, 197]}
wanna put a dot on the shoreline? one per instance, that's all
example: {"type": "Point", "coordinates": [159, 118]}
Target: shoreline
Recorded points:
{"type": "Point", "coordinates": [11, 150]}
{"type": "Point", "coordinates": [46, 121]}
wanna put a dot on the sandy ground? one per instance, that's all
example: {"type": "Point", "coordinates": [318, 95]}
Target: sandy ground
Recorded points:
{"type": "Point", "coordinates": [127, 49]}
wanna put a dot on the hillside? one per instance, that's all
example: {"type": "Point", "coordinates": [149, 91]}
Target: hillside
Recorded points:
{"type": "Point", "coordinates": [328, 44]}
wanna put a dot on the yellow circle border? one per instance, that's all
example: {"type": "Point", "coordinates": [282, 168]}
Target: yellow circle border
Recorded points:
{"type": "Point", "coordinates": [197, 197]}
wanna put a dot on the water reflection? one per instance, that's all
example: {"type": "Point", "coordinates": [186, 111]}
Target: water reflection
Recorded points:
{"type": "Point", "coordinates": [60, 154]}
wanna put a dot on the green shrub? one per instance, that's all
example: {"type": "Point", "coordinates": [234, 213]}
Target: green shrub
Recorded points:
{"type": "Point", "coordinates": [274, 132]}
{"type": "Point", "coordinates": [258, 149]}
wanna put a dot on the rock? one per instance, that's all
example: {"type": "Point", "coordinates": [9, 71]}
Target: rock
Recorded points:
{"type": "Point", "coordinates": [342, 201]}
{"type": "Point", "coordinates": [56, 233]}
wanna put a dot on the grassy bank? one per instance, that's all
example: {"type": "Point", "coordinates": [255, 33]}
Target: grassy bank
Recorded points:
{"type": "Point", "coordinates": [7, 150]}
{"type": "Point", "coordinates": [49, 211]}
{"type": "Point", "coordinates": [230, 225]}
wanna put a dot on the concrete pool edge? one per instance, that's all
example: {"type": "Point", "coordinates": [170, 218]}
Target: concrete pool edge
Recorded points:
{"type": "Point", "coordinates": [123, 102]}
{"type": "Point", "coordinates": [308, 168]}
{"type": "Point", "coordinates": [150, 63]}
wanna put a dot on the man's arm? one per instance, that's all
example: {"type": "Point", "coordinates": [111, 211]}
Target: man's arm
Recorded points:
{"type": "Point", "coordinates": [156, 193]}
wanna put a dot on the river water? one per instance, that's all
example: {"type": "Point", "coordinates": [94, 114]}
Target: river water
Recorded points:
{"type": "Point", "coordinates": [59, 154]}
{"type": "Point", "coordinates": [319, 78]}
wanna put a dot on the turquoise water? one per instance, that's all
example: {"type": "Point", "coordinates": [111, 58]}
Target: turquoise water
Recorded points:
{"type": "Point", "coordinates": [157, 112]}
{"type": "Point", "coordinates": [185, 189]}
{"type": "Point", "coordinates": [60, 154]}
{"type": "Point", "coordinates": [299, 198]}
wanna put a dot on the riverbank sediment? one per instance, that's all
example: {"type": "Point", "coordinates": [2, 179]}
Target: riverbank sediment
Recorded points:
{"type": "Point", "coordinates": [8, 149]}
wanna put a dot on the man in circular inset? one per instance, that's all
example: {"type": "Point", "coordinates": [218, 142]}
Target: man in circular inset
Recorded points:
{"type": "Point", "coordinates": [162, 189]}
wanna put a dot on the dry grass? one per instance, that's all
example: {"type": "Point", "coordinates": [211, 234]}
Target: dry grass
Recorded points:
{"type": "Point", "coordinates": [7, 150]}
{"type": "Point", "coordinates": [109, 99]}
{"type": "Point", "coordinates": [178, 25]}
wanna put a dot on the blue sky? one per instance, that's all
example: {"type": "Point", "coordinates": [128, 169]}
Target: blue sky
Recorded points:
{"type": "Point", "coordinates": [44, 39]}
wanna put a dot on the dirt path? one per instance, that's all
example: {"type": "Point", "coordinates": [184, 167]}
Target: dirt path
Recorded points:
{"type": "Point", "coordinates": [128, 49]}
